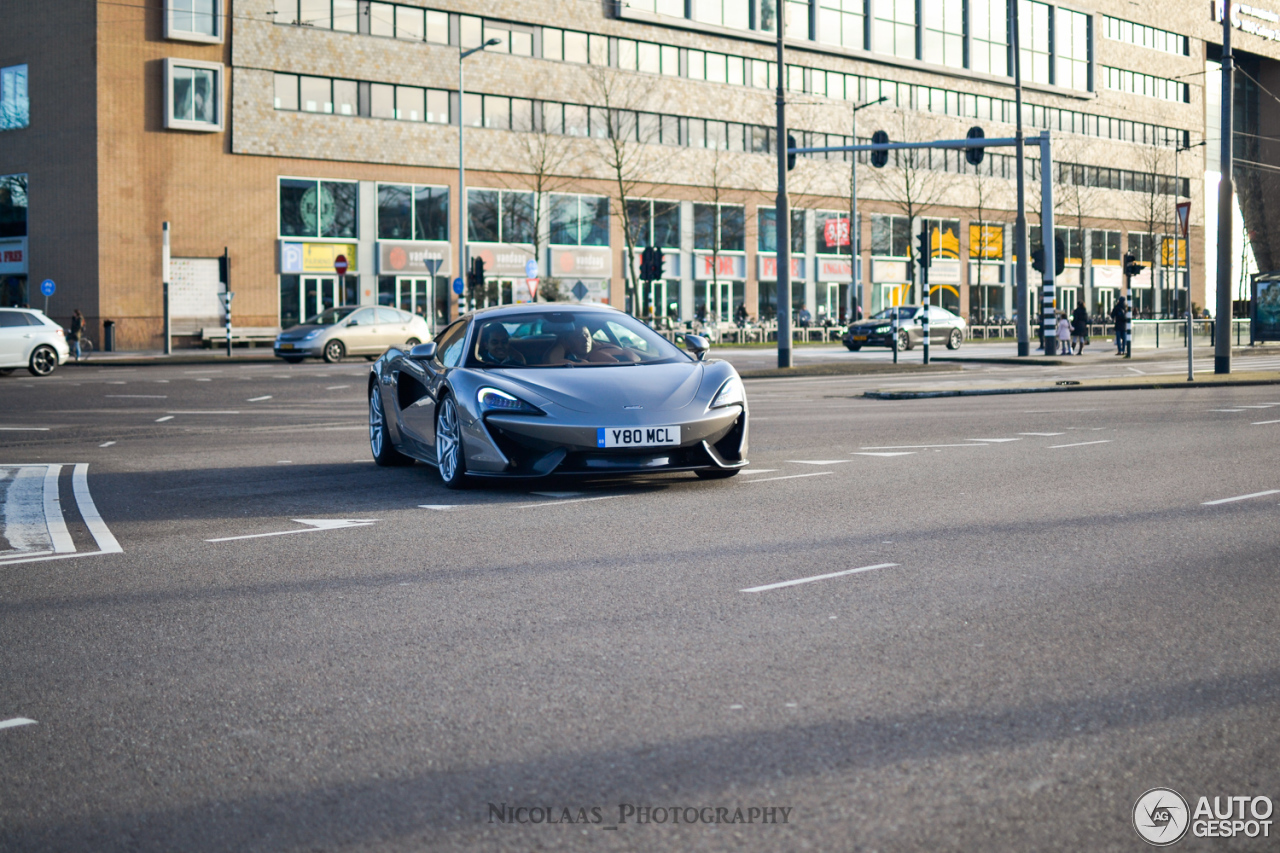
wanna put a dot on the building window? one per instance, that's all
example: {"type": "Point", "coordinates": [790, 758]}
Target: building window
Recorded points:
{"type": "Point", "coordinates": [193, 20]}
{"type": "Point", "coordinates": [890, 236]}
{"type": "Point", "coordinates": [797, 12]}
{"type": "Point", "coordinates": [413, 212]}
{"type": "Point", "coordinates": [13, 206]}
{"type": "Point", "coordinates": [15, 108]}
{"type": "Point", "coordinates": [767, 232]}
{"type": "Point", "coordinates": [1136, 83]}
{"type": "Point", "coordinates": [500, 216]}
{"type": "Point", "coordinates": [831, 232]}
{"type": "Point", "coordinates": [841, 22]}
{"type": "Point", "coordinates": [986, 242]}
{"type": "Point", "coordinates": [311, 208]}
{"type": "Point", "coordinates": [944, 32]}
{"type": "Point", "coordinates": [654, 223]}
{"type": "Point", "coordinates": [719, 228]}
{"type": "Point", "coordinates": [1071, 34]}
{"type": "Point", "coordinates": [1144, 36]}
{"type": "Point", "coordinates": [193, 95]}
{"type": "Point", "coordinates": [944, 238]}
{"type": "Point", "coordinates": [735, 14]}
{"type": "Point", "coordinates": [1104, 247]}
{"type": "Point", "coordinates": [674, 8]}
{"type": "Point", "coordinates": [989, 44]}
{"type": "Point", "coordinates": [1033, 38]}
{"type": "Point", "coordinates": [579, 220]}
{"type": "Point", "coordinates": [893, 31]}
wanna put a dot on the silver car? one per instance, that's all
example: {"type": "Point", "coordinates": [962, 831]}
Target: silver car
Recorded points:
{"type": "Point", "coordinates": [336, 333]}
{"type": "Point", "coordinates": [30, 339]}
{"type": "Point", "coordinates": [530, 390]}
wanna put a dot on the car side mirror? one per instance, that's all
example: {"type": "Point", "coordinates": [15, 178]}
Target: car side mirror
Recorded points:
{"type": "Point", "coordinates": [423, 352]}
{"type": "Point", "coordinates": [698, 345]}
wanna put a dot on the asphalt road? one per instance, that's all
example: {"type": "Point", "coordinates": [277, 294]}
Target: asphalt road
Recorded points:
{"type": "Point", "coordinates": [1054, 617]}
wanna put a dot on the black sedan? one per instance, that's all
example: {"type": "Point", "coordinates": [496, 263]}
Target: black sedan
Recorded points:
{"type": "Point", "coordinates": [944, 328]}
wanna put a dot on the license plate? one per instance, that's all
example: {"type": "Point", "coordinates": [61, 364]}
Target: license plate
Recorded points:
{"type": "Point", "coordinates": [859, 337]}
{"type": "Point", "coordinates": [637, 436]}
{"type": "Point", "coordinates": [286, 346]}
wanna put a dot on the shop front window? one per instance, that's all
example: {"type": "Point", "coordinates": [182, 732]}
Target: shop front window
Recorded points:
{"type": "Point", "coordinates": [579, 220]}
{"type": "Point", "coordinates": [310, 208]}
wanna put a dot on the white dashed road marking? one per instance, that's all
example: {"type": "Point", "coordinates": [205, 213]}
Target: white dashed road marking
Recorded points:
{"type": "Point", "coordinates": [818, 461]}
{"type": "Point", "coordinates": [1079, 444]}
{"type": "Point", "coordinates": [1242, 497]}
{"type": "Point", "coordinates": [25, 429]}
{"type": "Point", "coordinates": [165, 418]}
{"type": "Point", "coordinates": [789, 477]}
{"type": "Point", "coordinates": [106, 444]}
{"type": "Point", "coordinates": [895, 453]}
{"type": "Point", "coordinates": [16, 721]}
{"type": "Point", "coordinates": [1261, 423]}
{"type": "Point", "coordinates": [571, 501]}
{"type": "Point", "coordinates": [257, 400]}
{"type": "Point", "coordinates": [798, 581]}
{"type": "Point", "coordinates": [1044, 434]}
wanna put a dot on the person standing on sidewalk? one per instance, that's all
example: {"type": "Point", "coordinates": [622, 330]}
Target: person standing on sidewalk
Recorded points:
{"type": "Point", "coordinates": [77, 332]}
{"type": "Point", "coordinates": [1079, 327]}
{"type": "Point", "coordinates": [1063, 333]}
{"type": "Point", "coordinates": [1121, 323]}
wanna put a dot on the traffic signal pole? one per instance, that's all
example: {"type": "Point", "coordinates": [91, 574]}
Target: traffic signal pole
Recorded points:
{"type": "Point", "coordinates": [782, 212]}
{"type": "Point", "coordinates": [925, 252]}
{"type": "Point", "coordinates": [1226, 189]}
{"type": "Point", "coordinates": [1049, 240]}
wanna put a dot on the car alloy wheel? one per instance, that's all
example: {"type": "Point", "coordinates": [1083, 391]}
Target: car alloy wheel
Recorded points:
{"type": "Point", "coordinates": [412, 342]}
{"type": "Point", "coordinates": [904, 341]}
{"type": "Point", "coordinates": [379, 438]}
{"type": "Point", "coordinates": [450, 456]}
{"type": "Point", "coordinates": [334, 352]}
{"type": "Point", "coordinates": [953, 341]}
{"type": "Point", "coordinates": [43, 361]}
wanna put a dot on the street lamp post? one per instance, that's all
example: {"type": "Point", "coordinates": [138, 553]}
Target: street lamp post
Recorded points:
{"type": "Point", "coordinates": [854, 231]}
{"type": "Point", "coordinates": [1177, 194]}
{"type": "Point", "coordinates": [462, 175]}
{"type": "Point", "coordinates": [1020, 221]}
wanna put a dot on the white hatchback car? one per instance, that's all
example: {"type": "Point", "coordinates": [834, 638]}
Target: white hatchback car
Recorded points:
{"type": "Point", "coordinates": [30, 339]}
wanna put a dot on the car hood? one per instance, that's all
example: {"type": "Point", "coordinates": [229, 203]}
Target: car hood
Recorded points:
{"type": "Point", "coordinates": [653, 387]}
{"type": "Point", "coordinates": [297, 333]}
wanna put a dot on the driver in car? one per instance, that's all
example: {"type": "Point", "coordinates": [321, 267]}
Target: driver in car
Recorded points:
{"type": "Point", "coordinates": [580, 347]}
{"type": "Point", "coordinates": [495, 346]}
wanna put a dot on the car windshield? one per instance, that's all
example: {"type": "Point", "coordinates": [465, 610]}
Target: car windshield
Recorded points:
{"type": "Point", "coordinates": [904, 313]}
{"type": "Point", "coordinates": [330, 316]}
{"type": "Point", "coordinates": [569, 339]}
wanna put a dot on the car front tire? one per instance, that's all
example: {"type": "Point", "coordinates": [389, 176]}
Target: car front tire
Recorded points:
{"type": "Point", "coordinates": [292, 359]}
{"type": "Point", "coordinates": [334, 352]}
{"type": "Point", "coordinates": [384, 453]}
{"type": "Point", "coordinates": [954, 339]}
{"type": "Point", "coordinates": [853, 347]}
{"type": "Point", "coordinates": [44, 360]}
{"type": "Point", "coordinates": [451, 455]}
{"type": "Point", "coordinates": [904, 341]}
{"type": "Point", "coordinates": [716, 473]}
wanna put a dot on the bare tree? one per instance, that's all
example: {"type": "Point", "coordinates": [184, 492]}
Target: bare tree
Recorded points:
{"type": "Point", "coordinates": [716, 182]}
{"type": "Point", "coordinates": [1151, 204]}
{"type": "Point", "coordinates": [909, 181]}
{"type": "Point", "coordinates": [543, 160]}
{"type": "Point", "coordinates": [625, 130]}
{"type": "Point", "coordinates": [989, 191]}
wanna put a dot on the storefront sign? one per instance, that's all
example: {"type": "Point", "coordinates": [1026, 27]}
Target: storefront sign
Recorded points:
{"type": "Point", "coordinates": [1107, 276]}
{"type": "Point", "coordinates": [985, 273]}
{"type": "Point", "coordinates": [1266, 300]}
{"type": "Point", "coordinates": [767, 268]}
{"type": "Point", "coordinates": [670, 264]}
{"type": "Point", "coordinates": [413, 258]}
{"type": "Point", "coordinates": [835, 232]}
{"type": "Point", "coordinates": [581, 262]}
{"type": "Point", "coordinates": [944, 272]}
{"type": "Point", "coordinates": [296, 258]}
{"type": "Point", "coordinates": [502, 260]}
{"type": "Point", "coordinates": [888, 271]}
{"type": "Point", "coordinates": [1250, 19]}
{"type": "Point", "coordinates": [707, 267]}
{"type": "Point", "coordinates": [834, 269]}
{"type": "Point", "coordinates": [1141, 281]}
{"type": "Point", "coordinates": [13, 256]}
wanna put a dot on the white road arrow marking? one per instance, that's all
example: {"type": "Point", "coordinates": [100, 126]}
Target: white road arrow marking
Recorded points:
{"type": "Point", "coordinates": [314, 525]}
{"type": "Point", "coordinates": [16, 721]}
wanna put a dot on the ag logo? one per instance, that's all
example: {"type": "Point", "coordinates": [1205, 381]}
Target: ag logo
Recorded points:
{"type": "Point", "coordinates": [1161, 816]}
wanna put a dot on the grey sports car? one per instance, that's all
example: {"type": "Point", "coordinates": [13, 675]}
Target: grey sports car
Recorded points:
{"type": "Point", "coordinates": [544, 388]}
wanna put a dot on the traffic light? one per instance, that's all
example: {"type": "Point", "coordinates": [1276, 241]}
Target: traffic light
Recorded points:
{"type": "Point", "coordinates": [651, 264]}
{"type": "Point", "coordinates": [1131, 266]}
{"type": "Point", "coordinates": [1059, 256]}
{"type": "Point", "coordinates": [791, 158]}
{"type": "Point", "coordinates": [925, 249]}
{"type": "Point", "coordinates": [224, 267]}
{"type": "Point", "coordinates": [1037, 259]}
{"type": "Point", "coordinates": [879, 158]}
{"type": "Point", "coordinates": [973, 156]}
{"type": "Point", "coordinates": [475, 278]}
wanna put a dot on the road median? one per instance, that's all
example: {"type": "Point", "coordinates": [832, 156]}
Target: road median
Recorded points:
{"type": "Point", "coordinates": [1116, 384]}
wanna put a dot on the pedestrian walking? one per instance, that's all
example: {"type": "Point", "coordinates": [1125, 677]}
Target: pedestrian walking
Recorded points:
{"type": "Point", "coordinates": [1079, 327]}
{"type": "Point", "coordinates": [1063, 334]}
{"type": "Point", "coordinates": [1121, 323]}
{"type": "Point", "coordinates": [77, 332]}
{"type": "Point", "coordinates": [740, 315]}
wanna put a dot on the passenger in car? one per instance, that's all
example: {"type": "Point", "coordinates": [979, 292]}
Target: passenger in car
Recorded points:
{"type": "Point", "coordinates": [580, 347]}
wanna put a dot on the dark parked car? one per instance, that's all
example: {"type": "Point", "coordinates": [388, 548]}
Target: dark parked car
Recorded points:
{"type": "Point", "coordinates": [944, 328]}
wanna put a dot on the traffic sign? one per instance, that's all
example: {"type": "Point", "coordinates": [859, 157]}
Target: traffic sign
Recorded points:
{"type": "Point", "coordinates": [532, 284]}
{"type": "Point", "coordinates": [1184, 216]}
{"type": "Point", "coordinates": [579, 291]}
{"type": "Point", "coordinates": [531, 268]}
{"type": "Point", "coordinates": [340, 265]}
{"type": "Point", "coordinates": [457, 286]}
{"type": "Point", "coordinates": [47, 287]}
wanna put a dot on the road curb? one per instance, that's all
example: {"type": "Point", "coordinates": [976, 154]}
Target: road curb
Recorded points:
{"type": "Point", "coordinates": [845, 369]}
{"type": "Point", "coordinates": [1048, 389]}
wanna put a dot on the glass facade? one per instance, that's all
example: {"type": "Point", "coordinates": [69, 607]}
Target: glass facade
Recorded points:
{"type": "Point", "coordinates": [943, 37]}
{"type": "Point", "coordinates": [842, 22]}
{"type": "Point", "coordinates": [579, 220]}
{"type": "Point", "coordinates": [310, 208]}
{"type": "Point", "coordinates": [408, 212]}
{"type": "Point", "coordinates": [195, 95]}
{"type": "Point", "coordinates": [893, 31]}
{"type": "Point", "coordinates": [719, 228]}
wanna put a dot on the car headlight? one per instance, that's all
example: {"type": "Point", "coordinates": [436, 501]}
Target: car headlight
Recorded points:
{"type": "Point", "coordinates": [880, 330]}
{"type": "Point", "coordinates": [312, 334]}
{"type": "Point", "coordinates": [495, 400]}
{"type": "Point", "coordinates": [731, 393]}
